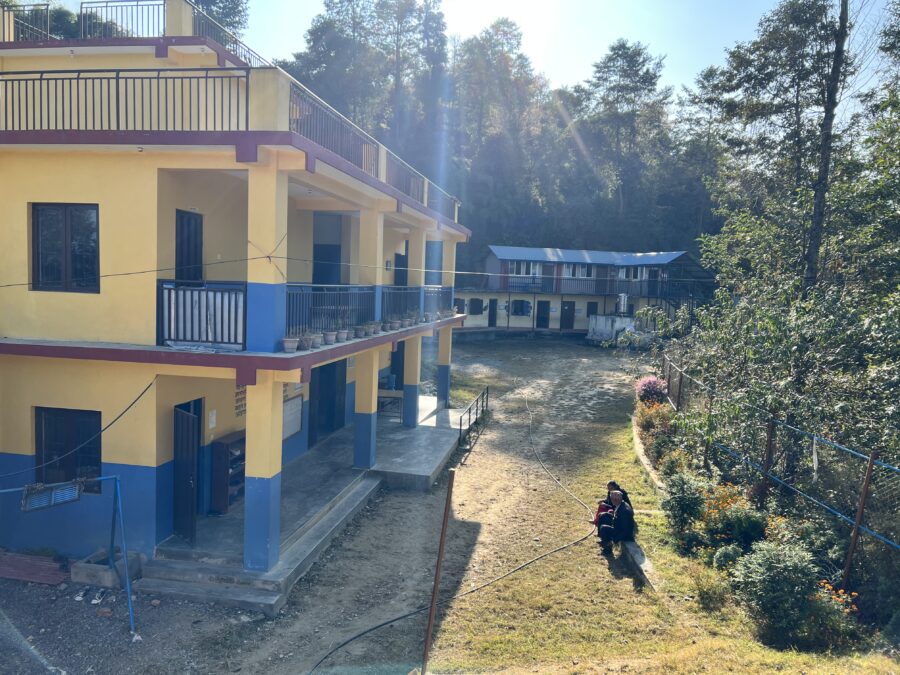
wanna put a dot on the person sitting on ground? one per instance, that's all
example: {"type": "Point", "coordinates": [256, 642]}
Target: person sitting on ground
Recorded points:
{"type": "Point", "coordinates": [622, 526]}
{"type": "Point", "coordinates": [603, 516]}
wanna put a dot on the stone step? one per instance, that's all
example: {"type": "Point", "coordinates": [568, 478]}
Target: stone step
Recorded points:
{"type": "Point", "coordinates": [190, 570]}
{"type": "Point", "coordinates": [245, 597]}
{"type": "Point", "coordinates": [297, 534]}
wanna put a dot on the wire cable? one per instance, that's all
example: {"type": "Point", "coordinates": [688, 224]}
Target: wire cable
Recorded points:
{"type": "Point", "coordinates": [81, 445]}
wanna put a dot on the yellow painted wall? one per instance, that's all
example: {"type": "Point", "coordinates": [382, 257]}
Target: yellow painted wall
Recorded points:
{"type": "Point", "coordinates": [299, 244]}
{"type": "Point", "coordinates": [124, 187]}
{"type": "Point", "coordinates": [221, 199]}
{"type": "Point", "coordinates": [29, 382]}
{"type": "Point", "coordinates": [110, 59]}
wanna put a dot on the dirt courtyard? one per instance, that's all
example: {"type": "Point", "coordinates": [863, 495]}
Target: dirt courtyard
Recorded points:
{"type": "Point", "coordinates": [506, 510]}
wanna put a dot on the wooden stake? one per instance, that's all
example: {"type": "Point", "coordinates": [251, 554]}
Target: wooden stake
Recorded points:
{"type": "Point", "coordinates": [863, 495]}
{"type": "Point", "coordinates": [767, 464]}
{"type": "Point", "coordinates": [437, 573]}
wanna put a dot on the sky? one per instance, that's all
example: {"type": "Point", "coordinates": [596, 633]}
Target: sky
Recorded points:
{"type": "Point", "coordinates": [563, 38]}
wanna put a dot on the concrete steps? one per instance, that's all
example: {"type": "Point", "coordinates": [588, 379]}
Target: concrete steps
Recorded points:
{"type": "Point", "coordinates": [228, 583]}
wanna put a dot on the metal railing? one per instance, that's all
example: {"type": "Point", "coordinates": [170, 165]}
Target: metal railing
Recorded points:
{"type": "Point", "coordinates": [438, 298]}
{"type": "Point", "coordinates": [402, 176]}
{"type": "Point", "coordinates": [205, 26]}
{"type": "Point", "coordinates": [316, 308]}
{"type": "Point", "coordinates": [209, 313]}
{"type": "Point", "coordinates": [25, 23]}
{"type": "Point", "coordinates": [314, 119]}
{"type": "Point", "coordinates": [399, 302]}
{"type": "Point", "coordinates": [441, 201]}
{"type": "Point", "coordinates": [187, 99]}
{"type": "Point", "coordinates": [645, 288]}
{"type": "Point", "coordinates": [467, 422]}
{"type": "Point", "coordinates": [118, 19]}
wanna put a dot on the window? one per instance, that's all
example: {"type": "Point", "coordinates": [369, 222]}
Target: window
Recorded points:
{"type": "Point", "coordinates": [460, 305]}
{"type": "Point", "coordinates": [521, 308]}
{"type": "Point", "coordinates": [526, 268]}
{"type": "Point", "coordinates": [65, 248]}
{"type": "Point", "coordinates": [476, 306]}
{"type": "Point", "coordinates": [577, 270]}
{"type": "Point", "coordinates": [591, 308]}
{"type": "Point", "coordinates": [60, 431]}
{"type": "Point", "coordinates": [633, 272]}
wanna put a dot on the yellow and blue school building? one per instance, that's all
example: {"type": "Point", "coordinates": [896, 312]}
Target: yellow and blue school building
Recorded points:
{"type": "Point", "coordinates": [173, 208]}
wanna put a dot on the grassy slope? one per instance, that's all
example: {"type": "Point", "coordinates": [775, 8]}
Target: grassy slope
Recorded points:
{"type": "Point", "coordinates": [553, 616]}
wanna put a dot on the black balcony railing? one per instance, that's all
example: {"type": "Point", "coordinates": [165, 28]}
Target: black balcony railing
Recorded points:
{"type": "Point", "coordinates": [187, 99]}
{"type": "Point", "coordinates": [316, 308]}
{"type": "Point", "coordinates": [210, 314]}
{"type": "Point", "coordinates": [206, 26]}
{"type": "Point", "coordinates": [441, 201]}
{"type": "Point", "coordinates": [438, 299]}
{"type": "Point", "coordinates": [25, 23]}
{"type": "Point", "coordinates": [115, 19]}
{"type": "Point", "coordinates": [400, 302]}
{"type": "Point", "coordinates": [314, 119]}
{"type": "Point", "coordinates": [406, 179]}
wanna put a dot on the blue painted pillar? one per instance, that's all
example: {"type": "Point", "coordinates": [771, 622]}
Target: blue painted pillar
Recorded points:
{"type": "Point", "coordinates": [365, 418]}
{"type": "Point", "coordinates": [412, 368]}
{"type": "Point", "coordinates": [364, 440]}
{"type": "Point", "coordinates": [378, 290]}
{"type": "Point", "coordinates": [443, 386]}
{"type": "Point", "coordinates": [411, 405]}
{"type": "Point", "coordinates": [262, 522]}
{"type": "Point", "coordinates": [266, 316]}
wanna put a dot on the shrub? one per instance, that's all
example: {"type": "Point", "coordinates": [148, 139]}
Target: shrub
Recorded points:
{"type": "Point", "coordinates": [651, 389]}
{"type": "Point", "coordinates": [684, 501]}
{"type": "Point", "coordinates": [831, 623]}
{"type": "Point", "coordinates": [662, 445]}
{"type": "Point", "coordinates": [729, 518]}
{"type": "Point", "coordinates": [711, 589]}
{"type": "Point", "coordinates": [675, 461]}
{"type": "Point", "coordinates": [727, 556]}
{"type": "Point", "coordinates": [777, 585]}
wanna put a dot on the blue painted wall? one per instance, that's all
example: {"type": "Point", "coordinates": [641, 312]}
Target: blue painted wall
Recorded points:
{"type": "Point", "coordinates": [411, 405]}
{"type": "Point", "coordinates": [266, 316]}
{"type": "Point", "coordinates": [80, 528]}
{"type": "Point", "coordinates": [443, 385]}
{"type": "Point", "coordinates": [350, 403]}
{"type": "Point", "coordinates": [364, 440]}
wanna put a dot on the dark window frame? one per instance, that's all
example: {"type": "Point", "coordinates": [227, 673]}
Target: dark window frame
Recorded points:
{"type": "Point", "coordinates": [480, 307]}
{"type": "Point", "coordinates": [67, 285]}
{"type": "Point", "coordinates": [520, 308]}
{"type": "Point", "coordinates": [69, 420]}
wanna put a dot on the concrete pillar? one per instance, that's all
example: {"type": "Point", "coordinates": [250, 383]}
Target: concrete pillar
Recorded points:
{"type": "Point", "coordinates": [416, 261]}
{"type": "Point", "coordinates": [300, 245]}
{"type": "Point", "coordinates": [412, 367]}
{"type": "Point", "coordinates": [262, 487]}
{"type": "Point", "coordinates": [179, 18]}
{"type": "Point", "coordinates": [266, 235]}
{"type": "Point", "coordinates": [448, 264]}
{"type": "Point", "coordinates": [366, 416]}
{"type": "Point", "coordinates": [445, 344]}
{"type": "Point", "coordinates": [370, 264]}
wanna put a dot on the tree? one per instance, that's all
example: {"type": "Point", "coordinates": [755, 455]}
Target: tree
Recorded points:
{"type": "Point", "coordinates": [232, 14]}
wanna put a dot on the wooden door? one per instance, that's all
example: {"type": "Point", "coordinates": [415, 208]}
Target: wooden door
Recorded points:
{"type": "Point", "coordinates": [188, 246]}
{"type": "Point", "coordinates": [543, 314]}
{"type": "Point", "coordinates": [492, 313]}
{"type": "Point", "coordinates": [187, 442]}
{"type": "Point", "coordinates": [567, 315]}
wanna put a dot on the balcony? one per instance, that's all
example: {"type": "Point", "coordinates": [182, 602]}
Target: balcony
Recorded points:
{"type": "Point", "coordinates": [247, 104]}
{"type": "Point", "coordinates": [212, 315]}
{"type": "Point", "coordinates": [644, 288]}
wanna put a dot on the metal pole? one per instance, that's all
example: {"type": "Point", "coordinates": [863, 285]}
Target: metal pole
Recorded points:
{"type": "Point", "coordinates": [859, 514]}
{"type": "Point", "coordinates": [125, 559]}
{"type": "Point", "coordinates": [767, 463]}
{"type": "Point", "coordinates": [680, 387]}
{"type": "Point", "coordinates": [437, 572]}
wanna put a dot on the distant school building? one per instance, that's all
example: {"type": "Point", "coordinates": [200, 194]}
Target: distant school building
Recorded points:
{"type": "Point", "coordinates": [552, 289]}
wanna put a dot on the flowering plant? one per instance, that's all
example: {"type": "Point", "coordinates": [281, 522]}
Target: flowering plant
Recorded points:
{"type": "Point", "coordinates": [651, 389]}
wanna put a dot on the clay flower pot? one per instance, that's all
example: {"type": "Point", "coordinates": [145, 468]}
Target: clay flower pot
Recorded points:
{"type": "Point", "coordinates": [329, 337]}
{"type": "Point", "coordinates": [289, 344]}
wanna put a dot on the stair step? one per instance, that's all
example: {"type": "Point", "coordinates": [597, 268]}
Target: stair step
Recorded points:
{"type": "Point", "coordinates": [198, 572]}
{"type": "Point", "coordinates": [295, 536]}
{"type": "Point", "coordinates": [245, 597]}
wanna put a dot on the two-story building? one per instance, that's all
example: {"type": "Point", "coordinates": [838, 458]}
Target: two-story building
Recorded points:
{"type": "Point", "coordinates": [552, 289]}
{"type": "Point", "coordinates": [173, 206]}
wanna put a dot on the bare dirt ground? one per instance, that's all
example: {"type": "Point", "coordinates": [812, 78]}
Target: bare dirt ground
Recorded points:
{"type": "Point", "coordinates": [382, 565]}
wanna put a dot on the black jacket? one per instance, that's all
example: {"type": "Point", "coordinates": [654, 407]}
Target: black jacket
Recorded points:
{"type": "Point", "coordinates": [623, 523]}
{"type": "Point", "coordinates": [625, 498]}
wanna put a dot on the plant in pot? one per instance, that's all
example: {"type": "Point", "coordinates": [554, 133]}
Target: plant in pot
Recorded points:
{"type": "Point", "coordinates": [342, 332]}
{"type": "Point", "coordinates": [395, 322]}
{"type": "Point", "coordinates": [317, 339]}
{"type": "Point", "coordinates": [306, 340]}
{"type": "Point", "coordinates": [370, 328]}
{"type": "Point", "coordinates": [329, 336]}
{"type": "Point", "coordinates": [359, 331]}
{"type": "Point", "coordinates": [289, 342]}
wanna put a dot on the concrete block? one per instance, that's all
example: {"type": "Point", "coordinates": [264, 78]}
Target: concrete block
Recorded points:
{"type": "Point", "coordinates": [95, 570]}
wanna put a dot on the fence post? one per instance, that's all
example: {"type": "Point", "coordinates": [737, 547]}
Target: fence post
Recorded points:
{"type": "Point", "coordinates": [863, 495]}
{"type": "Point", "coordinates": [707, 446]}
{"type": "Point", "coordinates": [767, 463]}
{"type": "Point", "coordinates": [435, 588]}
{"type": "Point", "coordinates": [680, 388]}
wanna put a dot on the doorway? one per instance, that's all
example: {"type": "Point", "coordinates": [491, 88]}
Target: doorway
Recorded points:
{"type": "Point", "coordinates": [186, 449]}
{"type": "Point", "coordinates": [492, 313]}
{"type": "Point", "coordinates": [326, 264]}
{"type": "Point", "coordinates": [543, 314]}
{"type": "Point", "coordinates": [188, 246]}
{"type": "Point", "coordinates": [327, 395]}
{"type": "Point", "coordinates": [397, 361]}
{"type": "Point", "coordinates": [567, 315]}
